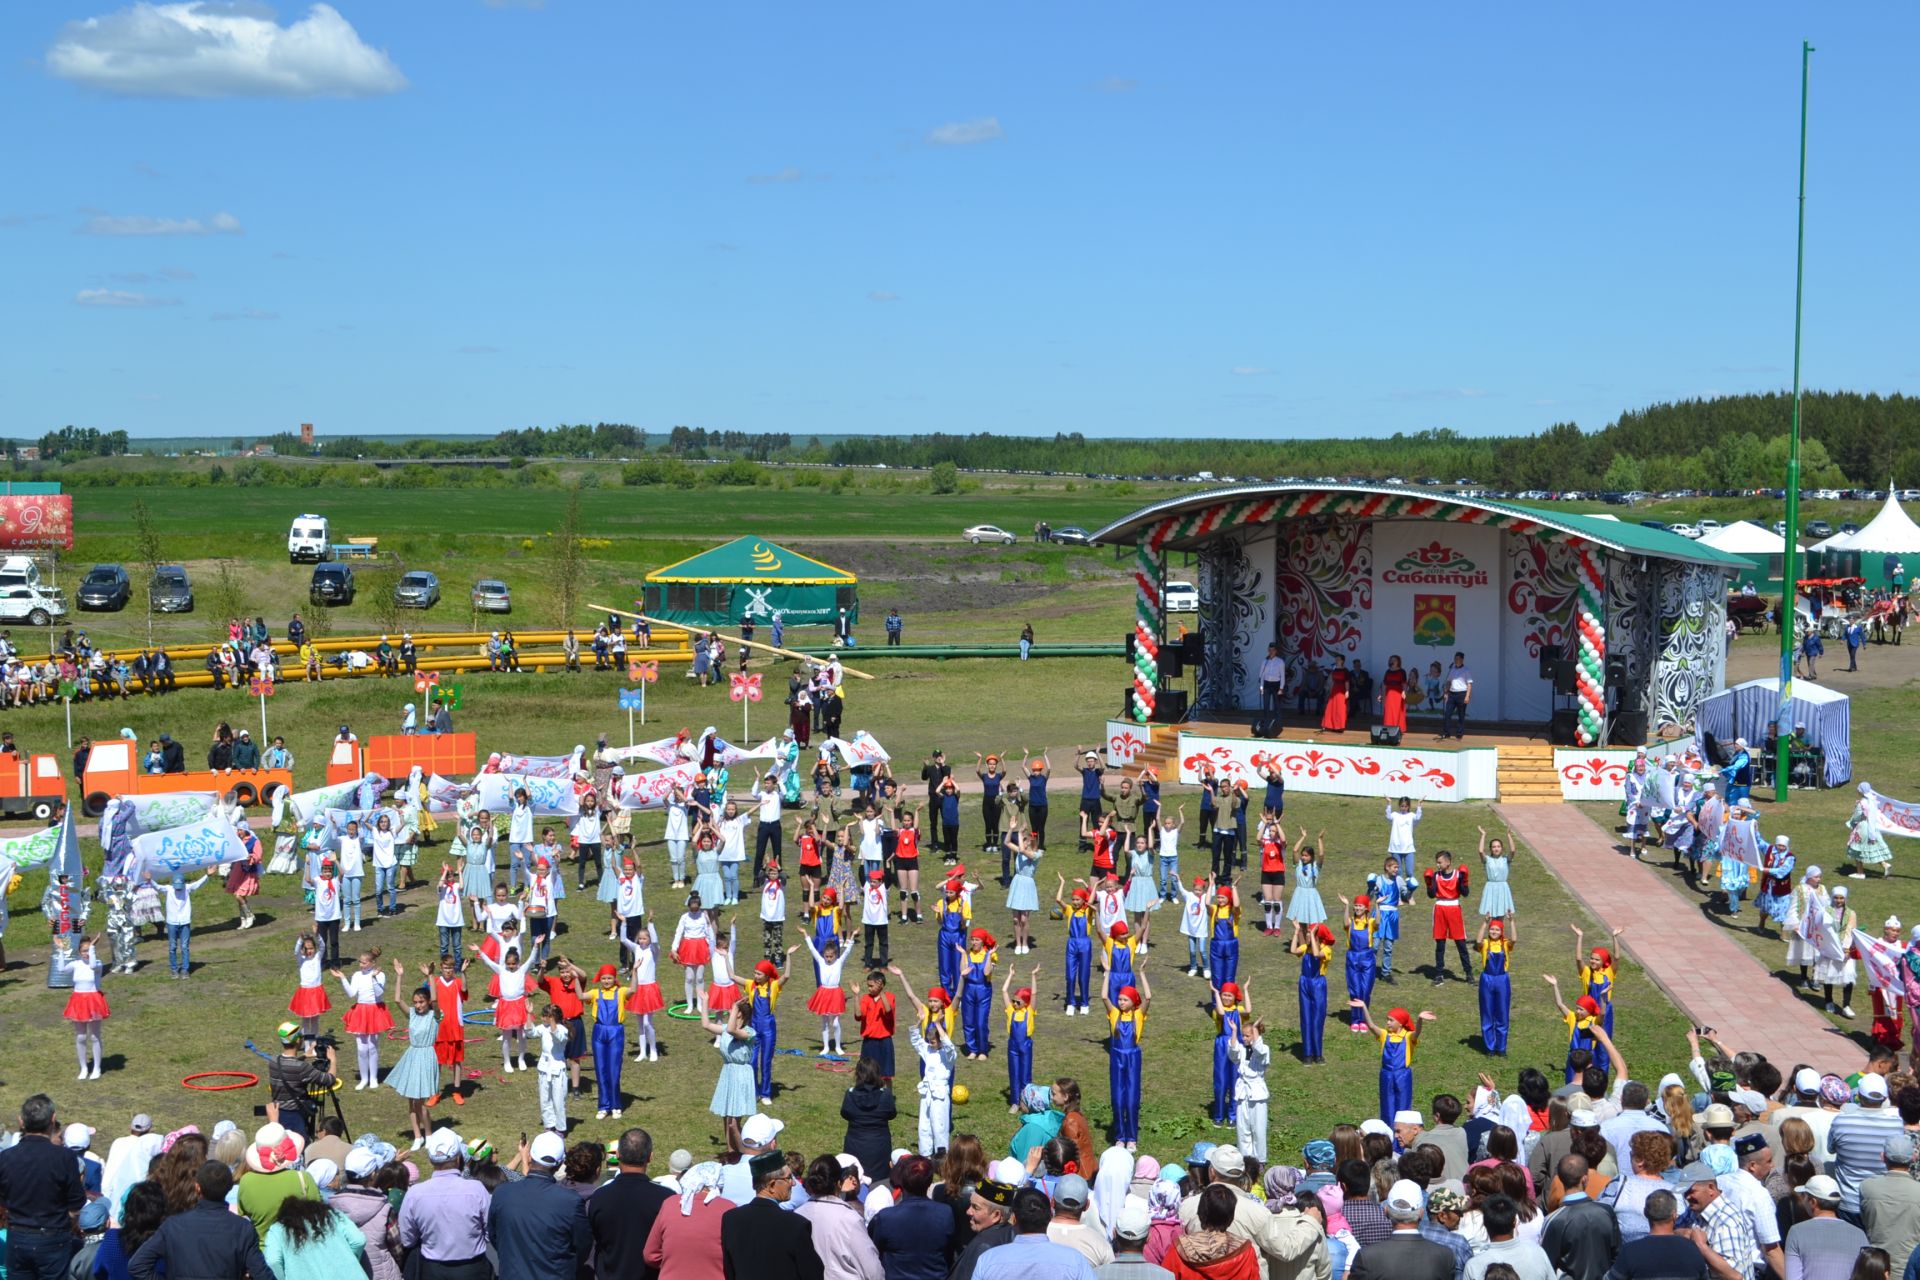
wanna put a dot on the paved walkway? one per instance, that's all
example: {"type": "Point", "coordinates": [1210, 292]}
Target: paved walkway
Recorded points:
{"type": "Point", "coordinates": [1688, 957]}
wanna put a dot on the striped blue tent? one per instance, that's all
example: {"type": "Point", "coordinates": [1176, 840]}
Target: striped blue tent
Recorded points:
{"type": "Point", "coordinates": [1745, 711]}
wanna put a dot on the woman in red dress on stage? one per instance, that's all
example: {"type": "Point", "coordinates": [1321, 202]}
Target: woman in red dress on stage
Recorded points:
{"type": "Point", "coordinates": [1334, 718]}
{"type": "Point", "coordinates": [1393, 696]}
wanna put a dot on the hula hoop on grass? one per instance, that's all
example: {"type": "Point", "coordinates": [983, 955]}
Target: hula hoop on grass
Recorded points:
{"type": "Point", "coordinates": [680, 1012]}
{"type": "Point", "coordinates": [478, 1018]}
{"type": "Point", "coordinates": [240, 1079]}
{"type": "Point", "coordinates": [839, 1068]}
{"type": "Point", "coordinates": [473, 1073]}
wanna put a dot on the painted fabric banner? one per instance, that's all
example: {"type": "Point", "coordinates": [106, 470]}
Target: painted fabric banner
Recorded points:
{"type": "Point", "coordinates": [550, 797]}
{"type": "Point", "coordinates": [183, 850]}
{"type": "Point", "coordinates": [1894, 817]}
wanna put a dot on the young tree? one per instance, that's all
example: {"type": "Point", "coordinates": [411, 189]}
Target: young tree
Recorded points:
{"type": "Point", "coordinates": [568, 566]}
{"type": "Point", "coordinates": [229, 593]}
{"type": "Point", "coordinates": [146, 553]}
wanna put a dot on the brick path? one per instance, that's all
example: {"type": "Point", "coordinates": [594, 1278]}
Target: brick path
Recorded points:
{"type": "Point", "coordinates": [1688, 957]}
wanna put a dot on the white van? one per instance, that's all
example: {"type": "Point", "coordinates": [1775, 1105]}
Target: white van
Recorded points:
{"type": "Point", "coordinates": [24, 598]}
{"type": "Point", "coordinates": [308, 540]}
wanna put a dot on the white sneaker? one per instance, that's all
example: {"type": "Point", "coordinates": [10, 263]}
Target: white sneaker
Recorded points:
{"type": "Point", "coordinates": [506, 1068]}
{"type": "Point", "coordinates": [616, 1113]}
{"type": "Point", "coordinates": [1084, 1011]}
{"type": "Point", "coordinates": [653, 1055]}
{"type": "Point", "coordinates": [82, 1075]}
{"type": "Point", "coordinates": [1068, 1013]}
{"type": "Point", "coordinates": [599, 1115]}
{"type": "Point", "coordinates": [417, 1144]}
{"type": "Point", "coordinates": [524, 1066]}
{"type": "Point", "coordinates": [1846, 1011]}
{"type": "Point", "coordinates": [641, 1056]}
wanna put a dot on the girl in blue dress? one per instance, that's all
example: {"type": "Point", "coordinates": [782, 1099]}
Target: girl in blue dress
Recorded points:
{"type": "Point", "coordinates": [1398, 1038]}
{"type": "Point", "coordinates": [1078, 916]}
{"type": "Point", "coordinates": [1126, 1019]}
{"type": "Point", "coordinates": [1229, 1010]}
{"type": "Point", "coordinates": [1020, 1015]}
{"type": "Point", "coordinates": [1023, 896]}
{"type": "Point", "coordinates": [976, 994]}
{"type": "Point", "coordinates": [1142, 894]}
{"type": "Point", "coordinates": [733, 1091]}
{"type": "Point", "coordinates": [416, 1077]}
{"type": "Point", "coordinates": [1223, 935]}
{"type": "Point", "coordinates": [1496, 987]}
{"type": "Point", "coordinates": [1363, 935]}
{"type": "Point", "coordinates": [1306, 907]}
{"type": "Point", "coordinates": [1496, 899]}
{"type": "Point", "coordinates": [1315, 948]}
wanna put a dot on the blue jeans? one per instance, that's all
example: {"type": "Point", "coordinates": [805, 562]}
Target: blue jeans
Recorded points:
{"type": "Point", "coordinates": [179, 947]}
{"type": "Point", "coordinates": [386, 892]}
{"type": "Point", "coordinates": [350, 900]}
{"type": "Point", "coordinates": [40, 1255]}
{"type": "Point", "coordinates": [450, 941]}
{"type": "Point", "coordinates": [519, 863]}
{"type": "Point", "coordinates": [1196, 952]}
{"type": "Point", "coordinates": [1026, 647]}
{"type": "Point", "coordinates": [730, 880]}
{"type": "Point", "coordinates": [1454, 719]}
{"type": "Point", "coordinates": [1169, 876]}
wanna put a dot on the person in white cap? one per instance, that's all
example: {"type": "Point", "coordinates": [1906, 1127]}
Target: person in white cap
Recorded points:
{"type": "Point", "coordinates": [366, 1206]}
{"type": "Point", "coordinates": [1823, 1245]}
{"type": "Point", "coordinates": [538, 1227]}
{"type": "Point", "coordinates": [1129, 1246]}
{"type": "Point", "coordinates": [129, 1157]}
{"type": "Point", "coordinates": [78, 1138]}
{"type": "Point", "coordinates": [1809, 898]}
{"type": "Point", "coordinates": [443, 1218]}
{"type": "Point", "coordinates": [1857, 1138]}
{"type": "Point", "coordinates": [1405, 1254]}
{"type": "Point", "coordinates": [758, 1133]}
{"type": "Point", "coordinates": [1890, 1008]}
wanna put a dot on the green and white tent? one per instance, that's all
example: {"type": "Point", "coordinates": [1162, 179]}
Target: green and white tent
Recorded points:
{"type": "Point", "coordinates": [749, 579]}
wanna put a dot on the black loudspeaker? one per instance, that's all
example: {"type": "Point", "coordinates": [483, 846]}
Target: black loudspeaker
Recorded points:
{"type": "Point", "coordinates": [1628, 729]}
{"type": "Point", "coordinates": [1549, 660]}
{"type": "Point", "coordinates": [1193, 647]}
{"type": "Point", "coordinates": [1133, 643]}
{"type": "Point", "coordinates": [1172, 661]}
{"type": "Point", "coordinates": [1563, 678]}
{"type": "Point", "coordinates": [1268, 728]}
{"type": "Point", "coordinates": [1564, 728]}
{"type": "Point", "coordinates": [1616, 671]}
{"type": "Point", "coordinates": [1385, 735]}
{"type": "Point", "coordinates": [1170, 706]}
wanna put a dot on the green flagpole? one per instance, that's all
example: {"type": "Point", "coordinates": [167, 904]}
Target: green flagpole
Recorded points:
{"type": "Point", "coordinates": [1790, 597]}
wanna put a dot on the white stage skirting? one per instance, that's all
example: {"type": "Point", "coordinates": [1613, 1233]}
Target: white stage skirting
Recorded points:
{"type": "Point", "coordinates": [1340, 769]}
{"type": "Point", "coordinates": [1602, 775]}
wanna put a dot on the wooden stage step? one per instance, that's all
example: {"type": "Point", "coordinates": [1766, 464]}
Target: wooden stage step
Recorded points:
{"type": "Point", "coordinates": [1526, 774]}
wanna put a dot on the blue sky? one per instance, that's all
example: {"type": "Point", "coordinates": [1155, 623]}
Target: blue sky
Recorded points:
{"type": "Point", "coordinates": [1120, 219]}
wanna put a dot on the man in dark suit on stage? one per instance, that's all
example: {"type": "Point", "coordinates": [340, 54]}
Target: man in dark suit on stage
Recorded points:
{"type": "Point", "coordinates": [760, 1240]}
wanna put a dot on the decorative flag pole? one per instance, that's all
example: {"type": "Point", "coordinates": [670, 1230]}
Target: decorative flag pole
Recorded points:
{"type": "Point", "coordinates": [1782, 773]}
{"type": "Point", "coordinates": [262, 688]}
{"type": "Point", "coordinates": [629, 699]}
{"type": "Point", "coordinates": [745, 690]}
{"type": "Point", "coordinates": [642, 674]}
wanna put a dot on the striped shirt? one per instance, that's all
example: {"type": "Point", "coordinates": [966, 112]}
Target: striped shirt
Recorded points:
{"type": "Point", "coordinates": [1856, 1139]}
{"type": "Point", "coordinates": [1729, 1233]}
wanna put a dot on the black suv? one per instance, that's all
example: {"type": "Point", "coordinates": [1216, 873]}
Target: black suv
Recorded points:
{"type": "Point", "coordinates": [106, 588]}
{"type": "Point", "coordinates": [332, 584]}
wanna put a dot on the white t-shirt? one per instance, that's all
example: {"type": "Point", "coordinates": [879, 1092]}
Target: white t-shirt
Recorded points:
{"type": "Point", "coordinates": [1193, 915]}
{"type": "Point", "coordinates": [520, 824]}
{"type": "Point", "coordinates": [733, 838]}
{"type": "Point", "coordinates": [353, 858]}
{"type": "Point", "coordinates": [326, 900]}
{"type": "Point", "coordinates": [1400, 836]}
{"type": "Point", "coordinates": [773, 902]}
{"type": "Point", "coordinates": [873, 903]}
{"type": "Point", "coordinates": [383, 854]}
{"type": "Point", "coordinates": [450, 914]}
{"type": "Point", "coordinates": [180, 901]}
{"type": "Point", "coordinates": [586, 828]}
{"type": "Point", "coordinates": [1169, 842]}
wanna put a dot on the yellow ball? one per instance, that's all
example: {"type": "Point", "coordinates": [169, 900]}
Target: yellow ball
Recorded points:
{"type": "Point", "coordinates": [961, 1093]}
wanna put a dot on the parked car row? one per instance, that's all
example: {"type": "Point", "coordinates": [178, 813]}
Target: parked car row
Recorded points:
{"type": "Point", "coordinates": [107, 588]}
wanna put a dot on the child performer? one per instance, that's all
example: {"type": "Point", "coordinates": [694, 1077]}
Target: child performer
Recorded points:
{"type": "Point", "coordinates": [645, 999]}
{"type": "Point", "coordinates": [773, 911]}
{"type": "Point", "coordinates": [955, 916]}
{"type": "Point", "coordinates": [1230, 1009]}
{"type": "Point", "coordinates": [510, 1013]}
{"type": "Point", "coordinates": [1020, 1016]}
{"type": "Point", "coordinates": [1307, 907]}
{"type": "Point", "coordinates": [1023, 896]}
{"type": "Point", "coordinates": [762, 999]}
{"type": "Point", "coordinates": [1363, 934]}
{"type": "Point", "coordinates": [828, 1001]}
{"type": "Point", "coordinates": [876, 1017]}
{"type": "Point", "coordinates": [629, 887]}
{"type": "Point", "coordinates": [476, 853]}
{"type": "Point", "coordinates": [1194, 913]}
{"type": "Point", "coordinates": [122, 936]}
{"type": "Point", "coordinates": [1126, 1020]}
{"type": "Point", "coordinates": [310, 997]}
{"type": "Point", "coordinates": [937, 1061]}
{"type": "Point", "coordinates": [1890, 1006]}
{"type": "Point", "coordinates": [1496, 988]}
{"type": "Point", "coordinates": [448, 990]}
{"type": "Point", "coordinates": [692, 947]}
{"type": "Point", "coordinates": [416, 1077]}
{"type": "Point", "coordinates": [243, 878]}
{"type": "Point", "coordinates": [1100, 837]}
{"type": "Point", "coordinates": [563, 982]}
{"type": "Point", "coordinates": [1273, 874]}
{"type": "Point", "coordinates": [86, 1006]}
{"type": "Point", "coordinates": [1119, 949]}
{"type": "Point", "coordinates": [1447, 886]}
{"type": "Point", "coordinates": [1109, 904]}
{"type": "Point", "coordinates": [1315, 948]}
{"type": "Point", "coordinates": [1400, 825]}
{"type": "Point", "coordinates": [874, 915]}
{"type": "Point", "coordinates": [605, 1008]}
{"type": "Point", "coordinates": [552, 1035]}
{"type": "Point", "coordinates": [1581, 1021]}
{"type": "Point", "coordinates": [450, 916]}
{"type": "Point", "coordinates": [544, 891]}
{"type": "Point", "coordinates": [1223, 940]}
{"type": "Point", "coordinates": [1078, 915]}
{"type": "Point", "coordinates": [1399, 1036]}
{"type": "Point", "coordinates": [368, 1019]}
{"type": "Point", "coordinates": [811, 871]}
{"type": "Point", "coordinates": [1142, 894]}
{"type": "Point", "coordinates": [828, 919]}
{"type": "Point", "coordinates": [1169, 836]}
{"type": "Point", "coordinates": [976, 995]}
{"type": "Point", "coordinates": [1776, 882]}
{"type": "Point", "coordinates": [1250, 1060]}
{"type": "Point", "coordinates": [1388, 887]}
{"type": "Point", "coordinates": [722, 990]}
{"type": "Point", "coordinates": [906, 865]}
{"type": "Point", "coordinates": [1496, 899]}
{"type": "Point", "coordinates": [1596, 976]}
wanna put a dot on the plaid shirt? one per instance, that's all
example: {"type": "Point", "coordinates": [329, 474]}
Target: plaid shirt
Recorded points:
{"type": "Point", "coordinates": [1453, 1240]}
{"type": "Point", "coordinates": [1729, 1231]}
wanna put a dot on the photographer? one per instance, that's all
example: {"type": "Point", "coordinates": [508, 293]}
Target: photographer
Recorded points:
{"type": "Point", "coordinates": [294, 1078]}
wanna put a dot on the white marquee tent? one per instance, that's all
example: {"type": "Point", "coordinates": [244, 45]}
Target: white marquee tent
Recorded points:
{"type": "Point", "coordinates": [1892, 532]}
{"type": "Point", "coordinates": [1745, 538]}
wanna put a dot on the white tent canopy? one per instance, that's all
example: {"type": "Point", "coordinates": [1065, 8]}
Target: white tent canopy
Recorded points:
{"type": "Point", "coordinates": [1745, 538]}
{"type": "Point", "coordinates": [1892, 532]}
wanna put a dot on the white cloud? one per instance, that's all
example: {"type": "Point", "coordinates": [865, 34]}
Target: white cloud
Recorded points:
{"type": "Point", "coordinates": [203, 50]}
{"type": "Point", "coordinates": [120, 298]}
{"type": "Point", "coordinates": [964, 133]}
{"type": "Point", "coordinates": [883, 295]}
{"type": "Point", "coordinates": [1250, 370]}
{"type": "Point", "coordinates": [140, 224]}
{"type": "Point", "coordinates": [786, 175]}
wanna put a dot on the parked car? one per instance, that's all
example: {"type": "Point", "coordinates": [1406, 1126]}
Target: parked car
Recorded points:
{"type": "Point", "coordinates": [1073, 535]}
{"type": "Point", "coordinates": [170, 591]}
{"type": "Point", "coordinates": [332, 584]}
{"type": "Point", "coordinates": [24, 598]}
{"type": "Point", "coordinates": [1819, 529]}
{"type": "Point", "coordinates": [980, 533]}
{"type": "Point", "coordinates": [1849, 527]}
{"type": "Point", "coordinates": [1684, 530]}
{"type": "Point", "coordinates": [308, 538]}
{"type": "Point", "coordinates": [1779, 527]}
{"type": "Point", "coordinates": [1181, 597]}
{"type": "Point", "coordinates": [490, 595]}
{"type": "Point", "coordinates": [1656, 524]}
{"type": "Point", "coordinates": [1711, 525]}
{"type": "Point", "coordinates": [418, 589]}
{"type": "Point", "coordinates": [106, 588]}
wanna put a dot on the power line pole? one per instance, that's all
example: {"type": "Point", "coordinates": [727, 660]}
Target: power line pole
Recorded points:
{"type": "Point", "coordinates": [1782, 765]}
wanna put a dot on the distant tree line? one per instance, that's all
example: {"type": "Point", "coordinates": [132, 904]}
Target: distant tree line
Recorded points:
{"type": "Point", "coordinates": [77, 442]}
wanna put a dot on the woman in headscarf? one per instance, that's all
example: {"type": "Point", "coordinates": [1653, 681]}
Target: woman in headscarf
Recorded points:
{"type": "Point", "coordinates": [685, 1241]}
{"type": "Point", "coordinates": [1110, 1186]}
{"type": "Point", "coordinates": [1866, 846]}
{"type": "Point", "coordinates": [1163, 1205]}
{"type": "Point", "coordinates": [1280, 1183]}
{"type": "Point", "coordinates": [1039, 1122]}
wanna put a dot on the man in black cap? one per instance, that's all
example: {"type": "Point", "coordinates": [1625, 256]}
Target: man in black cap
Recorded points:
{"type": "Point", "coordinates": [990, 1214]}
{"type": "Point", "coordinates": [935, 771]}
{"type": "Point", "coordinates": [759, 1241]}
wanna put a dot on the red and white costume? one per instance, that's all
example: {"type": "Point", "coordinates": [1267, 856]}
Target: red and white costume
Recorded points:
{"type": "Point", "coordinates": [693, 939]}
{"type": "Point", "coordinates": [1110, 908]}
{"type": "Point", "coordinates": [450, 1042]}
{"type": "Point", "coordinates": [830, 1001]}
{"type": "Point", "coordinates": [86, 1004]}
{"type": "Point", "coordinates": [310, 998]}
{"type": "Point", "coordinates": [1448, 889]}
{"type": "Point", "coordinates": [511, 1013]}
{"type": "Point", "coordinates": [645, 996]}
{"type": "Point", "coordinates": [367, 988]}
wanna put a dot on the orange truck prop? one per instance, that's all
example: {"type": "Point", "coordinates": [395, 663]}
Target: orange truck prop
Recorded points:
{"type": "Point", "coordinates": [394, 755]}
{"type": "Point", "coordinates": [114, 770]}
{"type": "Point", "coordinates": [31, 786]}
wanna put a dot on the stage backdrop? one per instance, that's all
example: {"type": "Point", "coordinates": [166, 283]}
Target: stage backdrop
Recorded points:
{"type": "Point", "coordinates": [1436, 590]}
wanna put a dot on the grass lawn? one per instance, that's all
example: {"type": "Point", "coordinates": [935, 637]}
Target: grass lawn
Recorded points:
{"type": "Point", "coordinates": [161, 1031]}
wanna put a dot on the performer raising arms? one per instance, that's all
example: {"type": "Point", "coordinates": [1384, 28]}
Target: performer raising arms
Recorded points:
{"type": "Point", "coordinates": [1596, 975]}
{"type": "Point", "coordinates": [692, 946]}
{"type": "Point", "coordinates": [1231, 1006]}
{"type": "Point", "coordinates": [1078, 915]}
{"type": "Point", "coordinates": [310, 997]}
{"type": "Point", "coordinates": [86, 1007]}
{"type": "Point", "coordinates": [448, 991]}
{"type": "Point", "coordinates": [1126, 1020]}
{"type": "Point", "coordinates": [1315, 948]}
{"type": "Point", "coordinates": [1447, 886]}
{"type": "Point", "coordinates": [1020, 1023]}
{"type": "Point", "coordinates": [368, 1019]}
{"type": "Point", "coordinates": [829, 1001]}
{"type": "Point", "coordinates": [937, 1060]}
{"type": "Point", "coordinates": [976, 995]}
{"type": "Point", "coordinates": [1389, 888]}
{"type": "Point", "coordinates": [1582, 1021]}
{"type": "Point", "coordinates": [1496, 988]}
{"type": "Point", "coordinates": [1363, 935]}
{"type": "Point", "coordinates": [1398, 1038]}
{"type": "Point", "coordinates": [645, 999]}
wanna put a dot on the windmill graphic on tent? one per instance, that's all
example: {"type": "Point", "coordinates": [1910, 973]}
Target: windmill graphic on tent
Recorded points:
{"type": "Point", "coordinates": [757, 605]}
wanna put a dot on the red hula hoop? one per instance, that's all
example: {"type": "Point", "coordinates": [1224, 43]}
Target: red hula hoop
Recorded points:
{"type": "Point", "coordinates": [242, 1080]}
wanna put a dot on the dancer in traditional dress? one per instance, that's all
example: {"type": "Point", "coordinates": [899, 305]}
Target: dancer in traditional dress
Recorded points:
{"type": "Point", "coordinates": [1447, 887]}
{"type": "Point", "coordinates": [1496, 899]}
{"type": "Point", "coordinates": [1809, 899]}
{"type": "Point", "coordinates": [1831, 971]}
{"type": "Point", "coordinates": [1775, 899]}
{"type": "Point", "coordinates": [1636, 805]}
{"type": "Point", "coordinates": [368, 1018]}
{"type": "Point", "coordinates": [1866, 846]}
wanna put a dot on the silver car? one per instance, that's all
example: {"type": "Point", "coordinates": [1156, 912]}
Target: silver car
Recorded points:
{"type": "Point", "coordinates": [490, 595]}
{"type": "Point", "coordinates": [418, 589]}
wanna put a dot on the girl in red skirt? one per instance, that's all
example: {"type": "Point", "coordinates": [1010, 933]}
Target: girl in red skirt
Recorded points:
{"type": "Point", "coordinates": [692, 947]}
{"type": "Point", "coordinates": [645, 999]}
{"type": "Point", "coordinates": [243, 878]}
{"type": "Point", "coordinates": [86, 1007]}
{"type": "Point", "coordinates": [722, 992]}
{"type": "Point", "coordinates": [368, 1019]}
{"type": "Point", "coordinates": [510, 1014]}
{"type": "Point", "coordinates": [310, 997]}
{"type": "Point", "coordinates": [1393, 696]}
{"type": "Point", "coordinates": [830, 1002]}
{"type": "Point", "coordinates": [448, 991]}
{"type": "Point", "coordinates": [1334, 718]}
